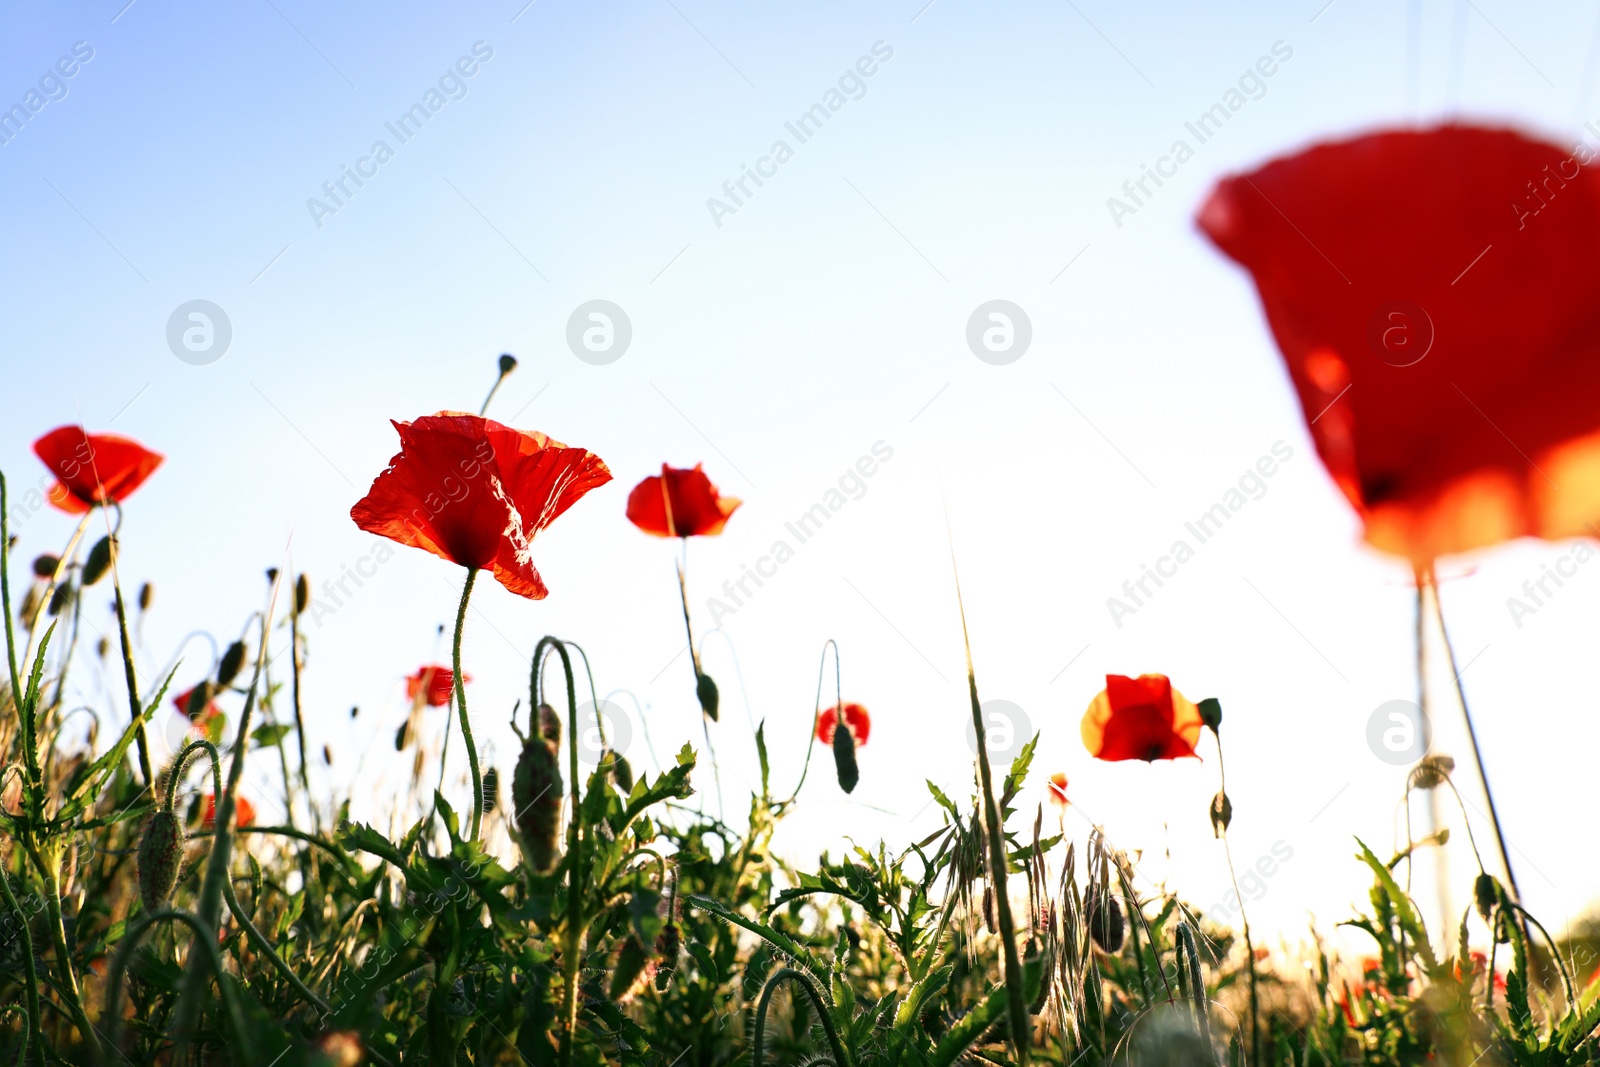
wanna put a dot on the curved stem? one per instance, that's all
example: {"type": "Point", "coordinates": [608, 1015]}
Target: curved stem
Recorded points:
{"type": "Point", "coordinates": [838, 695]}
{"type": "Point", "coordinates": [27, 1030]}
{"type": "Point", "coordinates": [800, 978]}
{"type": "Point", "coordinates": [1249, 945]}
{"type": "Point", "coordinates": [461, 699]}
{"type": "Point", "coordinates": [573, 947]}
{"type": "Point", "coordinates": [205, 938]}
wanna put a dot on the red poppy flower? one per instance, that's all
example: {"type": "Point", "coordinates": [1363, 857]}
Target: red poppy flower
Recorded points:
{"type": "Point", "coordinates": [244, 812]}
{"type": "Point", "coordinates": [181, 702]}
{"type": "Point", "coordinates": [93, 468]}
{"type": "Point", "coordinates": [1140, 718]}
{"type": "Point", "coordinates": [679, 503]}
{"type": "Point", "coordinates": [439, 682]}
{"type": "Point", "coordinates": [1058, 789]}
{"type": "Point", "coordinates": [475, 492]}
{"type": "Point", "coordinates": [856, 720]}
{"type": "Point", "coordinates": [1432, 293]}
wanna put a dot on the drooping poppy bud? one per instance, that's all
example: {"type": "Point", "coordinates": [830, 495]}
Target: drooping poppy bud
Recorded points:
{"type": "Point", "coordinates": [60, 600]}
{"type": "Point", "coordinates": [536, 793]}
{"type": "Point", "coordinates": [1211, 712]}
{"type": "Point", "coordinates": [45, 566]}
{"type": "Point", "coordinates": [147, 596]}
{"type": "Point", "coordinates": [508, 363]}
{"type": "Point", "coordinates": [302, 593]}
{"type": "Point", "coordinates": [99, 561]}
{"type": "Point", "coordinates": [232, 662]}
{"type": "Point", "coordinates": [196, 702]}
{"type": "Point", "coordinates": [621, 772]}
{"type": "Point", "coordinates": [491, 790]}
{"type": "Point", "coordinates": [1221, 814]}
{"type": "Point", "coordinates": [1484, 895]}
{"type": "Point", "coordinates": [844, 759]}
{"type": "Point", "coordinates": [1106, 925]}
{"type": "Point", "coordinates": [628, 974]}
{"type": "Point", "coordinates": [706, 690]}
{"type": "Point", "coordinates": [160, 859]}
{"type": "Point", "coordinates": [669, 943]}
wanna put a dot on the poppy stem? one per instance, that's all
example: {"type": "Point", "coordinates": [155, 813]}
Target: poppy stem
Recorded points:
{"type": "Point", "coordinates": [1472, 735]}
{"type": "Point", "coordinates": [461, 700]}
{"type": "Point", "coordinates": [299, 717]}
{"type": "Point", "coordinates": [1249, 944]}
{"type": "Point", "coordinates": [129, 673]}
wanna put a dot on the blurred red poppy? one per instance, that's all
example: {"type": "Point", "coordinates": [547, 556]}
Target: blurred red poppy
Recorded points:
{"type": "Point", "coordinates": [1432, 293]}
{"type": "Point", "coordinates": [475, 492]}
{"type": "Point", "coordinates": [181, 702]}
{"type": "Point", "coordinates": [93, 468]}
{"type": "Point", "coordinates": [679, 503]}
{"type": "Point", "coordinates": [244, 812]}
{"type": "Point", "coordinates": [1140, 718]}
{"type": "Point", "coordinates": [438, 682]}
{"type": "Point", "coordinates": [1058, 789]}
{"type": "Point", "coordinates": [856, 720]}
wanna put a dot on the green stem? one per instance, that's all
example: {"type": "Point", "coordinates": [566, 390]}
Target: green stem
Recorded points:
{"type": "Point", "coordinates": [5, 601]}
{"type": "Point", "coordinates": [128, 672]}
{"type": "Point", "coordinates": [461, 701]}
{"type": "Point", "coordinates": [27, 936]}
{"type": "Point", "coordinates": [841, 1058]}
{"type": "Point", "coordinates": [572, 950]}
{"type": "Point", "coordinates": [58, 936]}
{"type": "Point", "coordinates": [299, 717]}
{"type": "Point", "coordinates": [205, 938]}
{"type": "Point", "coordinates": [1244, 919]}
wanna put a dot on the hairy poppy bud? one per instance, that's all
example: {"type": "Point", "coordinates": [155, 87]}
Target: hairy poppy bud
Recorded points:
{"type": "Point", "coordinates": [549, 725]}
{"type": "Point", "coordinates": [706, 690]}
{"type": "Point", "coordinates": [508, 363]}
{"type": "Point", "coordinates": [1210, 712]}
{"type": "Point", "coordinates": [536, 795]}
{"type": "Point", "coordinates": [60, 600]}
{"type": "Point", "coordinates": [1221, 814]}
{"type": "Point", "coordinates": [45, 566]}
{"type": "Point", "coordinates": [147, 596]}
{"type": "Point", "coordinates": [491, 789]}
{"type": "Point", "coordinates": [844, 758]}
{"type": "Point", "coordinates": [1484, 895]}
{"type": "Point", "coordinates": [99, 561]}
{"type": "Point", "coordinates": [160, 858]}
{"type": "Point", "coordinates": [232, 661]}
{"type": "Point", "coordinates": [621, 772]}
{"type": "Point", "coordinates": [302, 593]}
{"type": "Point", "coordinates": [628, 975]}
{"type": "Point", "coordinates": [669, 942]}
{"type": "Point", "coordinates": [1105, 922]}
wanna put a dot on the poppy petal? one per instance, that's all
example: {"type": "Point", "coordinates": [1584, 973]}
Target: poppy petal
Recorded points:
{"type": "Point", "coordinates": [93, 469]}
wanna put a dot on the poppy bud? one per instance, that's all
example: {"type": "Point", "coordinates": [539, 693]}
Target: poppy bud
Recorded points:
{"type": "Point", "coordinates": [60, 600]}
{"type": "Point", "coordinates": [550, 725]}
{"type": "Point", "coordinates": [1221, 814]}
{"type": "Point", "coordinates": [706, 690]}
{"type": "Point", "coordinates": [99, 561]}
{"type": "Point", "coordinates": [103, 647]}
{"type": "Point", "coordinates": [199, 697]}
{"type": "Point", "coordinates": [160, 858]}
{"type": "Point", "coordinates": [631, 961]}
{"type": "Point", "coordinates": [1431, 771]}
{"type": "Point", "coordinates": [1211, 712]}
{"type": "Point", "coordinates": [491, 789]}
{"type": "Point", "coordinates": [1484, 895]}
{"type": "Point", "coordinates": [327, 755]}
{"type": "Point", "coordinates": [232, 661]}
{"type": "Point", "coordinates": [669, 942]}
{"type": "Point", "coordinates": [1105, 922]}
{"type": "Point", "coordinates": [402, 735]}
{"type": "Point", "coordinates": [844, 759]}
{"type": "Point", "coordinates": [508, 363]}
{"type": "Point", "coordinates": [621, 773]}
{"type": "Point", "coordinates": [45, 566]}
{"type": "Point", "coordinates": [302, 593]}
{"type": "Point", "coordinates": [272, 574]}
{"type": "Point", "coordinates": [536, 794]}
{"type": "Point", "coordinates": [1502, 928]}
{"type": "Point", "coordinates": [988, 909]}
{"type": "Point", "coordinates": [147, 596]}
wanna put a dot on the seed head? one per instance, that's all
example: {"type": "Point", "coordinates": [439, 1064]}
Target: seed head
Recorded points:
{"type": "Point", "coordinates": [147, 596]}
{"type": "Point", "coordinates": [302, 593]}
{"type": "Point", "coordinates": [1106, 925]}
{"type": "Point", "coordinates": [508, 363]}
{"type": "Point", "coordinates": [491, 789]}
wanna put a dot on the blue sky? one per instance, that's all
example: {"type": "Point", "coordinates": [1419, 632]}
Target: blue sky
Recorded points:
{"type": "Point", "coordinates": [828, 313]}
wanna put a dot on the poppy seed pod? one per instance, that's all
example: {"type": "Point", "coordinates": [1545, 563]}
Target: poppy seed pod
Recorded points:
{"type": "Point", "coordinates": [536, 794]}
{"type": "Point", "coordinates": [45, 566]}
{"type": "Point", "coordinates": [232, 663]}
{"type": "Point", "coordinates": [1106, 925]}
{"type": "Point", "coordinates": [550, 725]}
{"type": "Point", "coordinates": [844, 760]}
{"type": "Point", "coordinates": [706, 690]}
{"type": "Point", "coordinates": [99, 561]}
{"type": "Point", "coordinates": [147, 596]}
{"type": "Point", "coordinates": [302, 593]}
{"type": "Point", "coordinates": [508, 363]}
{"type": "Point", "coordinates": [669, 943]}
{"type": "Point", "coordinates": [160, 858]}
{"type": "Point", "coordinates": [1221, 814]}
{"type": "Point", "coordinates": [1211, 712]}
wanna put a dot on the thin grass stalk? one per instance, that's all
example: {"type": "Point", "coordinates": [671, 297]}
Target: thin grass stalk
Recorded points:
{"type": "Point", "coordinates": [1016, 996]}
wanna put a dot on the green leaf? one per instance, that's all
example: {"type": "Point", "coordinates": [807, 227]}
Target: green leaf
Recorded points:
{"type": "Point", "coordinates": [268, 734]}
{"type": "Point", "coordinates": [1404, 912]}
{"type": "Point", "coordinates": [782, 942]}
